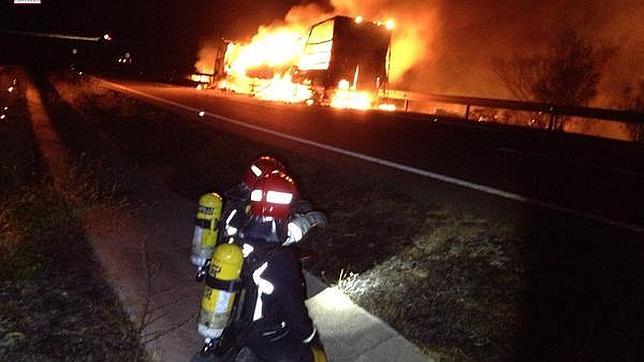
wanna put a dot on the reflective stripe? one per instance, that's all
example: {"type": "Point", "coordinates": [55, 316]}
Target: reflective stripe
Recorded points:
{"type": "Point", "coordinates": [263, 287]}
{"type": "Point", "coordinates": [231, 230]}
{"type": "Point", "coordinates": [256, 170]}
{"type": "Point", "coordinates": [276, 197]}
{"type": "Point", "coordinates": [310, 338]}
{"type": "Point", "coordinates": [247, 249]}
{"type": "Point", "coordinates": [294, 233]}
{"type": "Point", "coordinates": [256, 195]}
{"type": "Point", "coordinates": [230, 217]}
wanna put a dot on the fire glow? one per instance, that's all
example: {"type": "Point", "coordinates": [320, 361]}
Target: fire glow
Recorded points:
{"type": "Point", "coordinates": [277, 62]}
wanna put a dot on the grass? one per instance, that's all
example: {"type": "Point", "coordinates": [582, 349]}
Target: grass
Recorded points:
{"type": "Point", "coordinates": [54, 302]}
{"type": "Point", "coordinates": [456, 288]}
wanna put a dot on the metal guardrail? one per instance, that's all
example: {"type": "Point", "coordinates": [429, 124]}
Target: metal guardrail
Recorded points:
{"type": "Point", "coordinates": [552, 109]}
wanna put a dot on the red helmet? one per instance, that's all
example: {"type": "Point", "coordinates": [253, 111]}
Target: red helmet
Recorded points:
{"type": "Point", "coordinates": [273, 195]}
{"type": "Point", "coordinates": [260, 168]}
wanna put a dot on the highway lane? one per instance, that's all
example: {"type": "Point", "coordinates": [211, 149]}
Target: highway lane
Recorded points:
{"type": "Point", "coordinates": [597, 179]}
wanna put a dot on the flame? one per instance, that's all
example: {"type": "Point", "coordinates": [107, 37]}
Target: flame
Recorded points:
{"type": "Point", "coordinates": [280, 88]}
{"type": "Point", "coordinates": [205, 60]}
{"type": "Point", "coordinates": [201, 78]}
{"type": "Point", "coordinates": [263, 66]}
{"type": "Point", "coordinates": [413, 24]}
{"type": "Point", "coordinates": [387, 107]}
{"type": "Point", "coordinates": [351, 99]}
{"type": "Point", "coordinates": [271, 47]}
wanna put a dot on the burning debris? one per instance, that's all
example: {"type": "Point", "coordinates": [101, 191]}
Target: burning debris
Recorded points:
{"type": "Point", "coordinates": [341, 62]}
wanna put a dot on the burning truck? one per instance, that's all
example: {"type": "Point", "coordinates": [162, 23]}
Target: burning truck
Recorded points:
{"type": "Point", "coordinates": [342, 62]}
{"type": "Point", "coordinates": [345, 60]}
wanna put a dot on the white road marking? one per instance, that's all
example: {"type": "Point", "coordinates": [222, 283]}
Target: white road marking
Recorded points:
{"type": "Point", "coordinates": [394, 165]}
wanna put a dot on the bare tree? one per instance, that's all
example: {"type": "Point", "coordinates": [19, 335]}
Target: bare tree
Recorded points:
{"type": "Point", "coordinates": [566, 74]}
{"type": "Point", "coordinates": [633, 99]}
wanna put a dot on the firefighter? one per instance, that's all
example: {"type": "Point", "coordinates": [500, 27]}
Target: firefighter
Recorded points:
{"type": "Point", "coordinates": [274, 322]}
{"type": "Point", "coordinates": [234, 213]}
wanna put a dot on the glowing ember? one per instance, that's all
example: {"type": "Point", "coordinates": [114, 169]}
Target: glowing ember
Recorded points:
{"type": "Point", "coordinates": [349, 99]}
{"type": "Point", "coordinates": [282, 89]}
{"type": "Point", "coordinates": [387, 107]}
{"type": "Point", "coordinates": [201, 78]}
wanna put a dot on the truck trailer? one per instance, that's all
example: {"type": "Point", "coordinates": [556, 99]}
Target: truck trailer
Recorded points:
{"type": "Point", "coordinates": [344, 48]}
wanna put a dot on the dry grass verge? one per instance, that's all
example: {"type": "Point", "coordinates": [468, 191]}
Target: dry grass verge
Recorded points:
{"type": "Point", "coordinates": [54, 303]}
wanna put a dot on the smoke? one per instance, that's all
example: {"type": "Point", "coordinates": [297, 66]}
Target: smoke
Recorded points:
{"type": "Point", "coordinates": [417, 24]}
{"type": "Point", "coordinates": [448, 46]}
{"type": "Point", "coordinates": [412, 37]}
{"type": "Point", "coordinates": [206, 56]}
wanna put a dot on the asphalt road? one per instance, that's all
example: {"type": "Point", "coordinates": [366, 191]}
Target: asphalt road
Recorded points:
{"type": "Point", "coordinates": [589, 178]}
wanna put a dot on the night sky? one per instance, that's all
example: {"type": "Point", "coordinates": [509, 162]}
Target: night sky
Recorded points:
{"type": "Point", "coordinates": [144, 20]}
{"type": "Point", "coordinates": [168, 29]}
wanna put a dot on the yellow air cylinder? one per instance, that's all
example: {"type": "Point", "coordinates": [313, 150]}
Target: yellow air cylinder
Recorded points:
{"type": "Point", "coordinates": [220, 291]}
{"type": "Point", "coordinates": [206, 231]}
{"type": "Point", "coordinates": [319, 355]}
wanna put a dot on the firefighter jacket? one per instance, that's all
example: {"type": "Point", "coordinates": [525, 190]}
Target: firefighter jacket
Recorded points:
{"type": "Point", "coordinates": [273, 305]}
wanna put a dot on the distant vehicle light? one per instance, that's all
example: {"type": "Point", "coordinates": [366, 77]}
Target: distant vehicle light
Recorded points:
{"type": "Point", "coordinates": [202, 113]}
{"type": "Point", "coordinates": [359, 19]}
{"type": "Point", "coordinates": [107, 36]}
{"type": "Point", "coordinates": [74, 51]}
{"type": "Point", "coordinates": [3, 116]}
{"type": "Point", "coordinates": [80, 73]}
{"type": "Point", "coordinates": [10, 89]}
{"type": "Point", "coordinates": [5, 108]}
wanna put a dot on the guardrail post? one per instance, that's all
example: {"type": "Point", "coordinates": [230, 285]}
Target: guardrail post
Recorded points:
{"type": "Point", "coordinates": [551, 122]}
{"type": "Point", "coordinates": [467, 112]}
{"type": "Point", "coordinates": [406, 104]}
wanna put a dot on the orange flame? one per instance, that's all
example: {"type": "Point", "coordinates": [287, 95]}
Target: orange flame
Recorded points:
{"type": "Point", "coordinates": [283, 90]}
{"type": "Point", "coordinates": [263, 66]}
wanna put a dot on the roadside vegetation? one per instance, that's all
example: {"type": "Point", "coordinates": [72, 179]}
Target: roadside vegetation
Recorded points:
{"type": "Point", "coordinates": [54, 302]}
